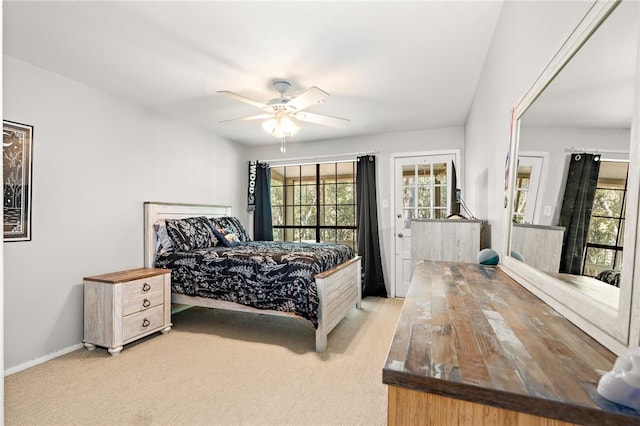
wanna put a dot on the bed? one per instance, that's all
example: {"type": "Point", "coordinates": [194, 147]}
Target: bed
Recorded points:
{"type": "Point", "coordinates": [610, 276]}
{"type": "Point", "coordinates": [335, 283]}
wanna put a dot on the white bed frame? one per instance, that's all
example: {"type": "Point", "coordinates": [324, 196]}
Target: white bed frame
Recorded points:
{"type": "Point", "coordinates": [339, 288]}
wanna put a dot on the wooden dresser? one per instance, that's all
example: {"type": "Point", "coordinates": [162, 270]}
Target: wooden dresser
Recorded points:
{"type": "Point", "coordinates": [473, 347]}
{"type": "Point", "coordinates": [445, 239]}
{"type": "Point", "coordinates": [124, 306]}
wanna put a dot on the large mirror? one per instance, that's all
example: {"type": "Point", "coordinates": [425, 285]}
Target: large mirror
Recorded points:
{"type": "Point", "coordinates": [573, 192]}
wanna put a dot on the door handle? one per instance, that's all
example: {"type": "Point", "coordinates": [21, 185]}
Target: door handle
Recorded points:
{"type": "Point", "coordinates": [400, 234]}
{"type": "Point", "coordinates": [399, 215]}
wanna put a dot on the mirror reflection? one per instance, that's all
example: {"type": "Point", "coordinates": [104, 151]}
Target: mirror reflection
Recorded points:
{"type": "Point", "coordinates": [571, 184]}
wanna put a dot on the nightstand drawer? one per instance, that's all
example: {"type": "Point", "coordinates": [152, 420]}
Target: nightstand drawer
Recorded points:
{"type": "Point", "coordinates": [142, 322]}
{"type": "Point", "coordinates": [143, 287]}
{"type": "Point", "coordinates": [142, 294]}
{"type": "Point", "coordinates": [139, 303]}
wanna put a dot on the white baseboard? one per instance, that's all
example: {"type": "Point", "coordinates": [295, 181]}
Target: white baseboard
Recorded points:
{"type": "Point", "coordinates": [40, 360]}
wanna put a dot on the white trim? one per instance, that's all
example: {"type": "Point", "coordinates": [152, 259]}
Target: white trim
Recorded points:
{"type": "Point", "coordinates": [605, 154]}
{"type": "Point", "coordinates": [598, 150]}
{"type": "Point", "coordinates": [42, 359]}
{"type": "Point", "coordinates": [457, 152]}
{"type": "Point", "coordinates": [611, 329]}
{"type": "Point", "coordinates": [542, 180]}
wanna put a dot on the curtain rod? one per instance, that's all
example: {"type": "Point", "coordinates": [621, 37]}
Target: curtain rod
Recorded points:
{"type": "Point", "coordinates": [597, 150]}
{"type": "Point", "coordinates": [319, 157]}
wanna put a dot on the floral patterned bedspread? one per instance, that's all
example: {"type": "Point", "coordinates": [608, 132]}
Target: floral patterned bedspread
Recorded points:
{"type": "Point", "coordinates": [261, 274]}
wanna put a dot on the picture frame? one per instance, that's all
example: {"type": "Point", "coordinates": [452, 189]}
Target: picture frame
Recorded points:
{"type": "Point", "coordinates": [17, 158]}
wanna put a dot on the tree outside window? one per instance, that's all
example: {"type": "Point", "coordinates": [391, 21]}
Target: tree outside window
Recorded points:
{"type": "Point", "coordinates": [606, 226]}
{"type": "Point", "coordinates": [520, 194]}
{"type": "Point", "coordinates": [315, 203]}
{"type": "Point", "coordinates": [424, 191]}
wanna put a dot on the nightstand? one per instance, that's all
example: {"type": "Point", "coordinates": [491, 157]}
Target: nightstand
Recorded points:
{"type": "Point", "coordinates": [124, 306]}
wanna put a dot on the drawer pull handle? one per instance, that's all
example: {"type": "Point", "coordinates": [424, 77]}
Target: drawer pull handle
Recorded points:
{"type": "Point", "coordinates": [146, 287]}
{"type": "Point", "coordinates": [145, 323]}
{"type": "Point", "coordinates": [146, 303]}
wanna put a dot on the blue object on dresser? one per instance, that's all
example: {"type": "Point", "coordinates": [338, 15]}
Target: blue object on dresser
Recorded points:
{"type": "Point", "coordinates": [517, 256]}
{"type": "Point", "coordinates": [488, 257]}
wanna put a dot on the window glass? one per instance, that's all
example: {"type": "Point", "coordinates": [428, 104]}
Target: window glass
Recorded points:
{"type": "Point", "coordinates": [606, 225]}
{"type": "Point", "coordinates": [315, 202]}
{"type": "Point", "coordinates": [424, 191]}
{"type": "Point", "coordinates": [520, 194]}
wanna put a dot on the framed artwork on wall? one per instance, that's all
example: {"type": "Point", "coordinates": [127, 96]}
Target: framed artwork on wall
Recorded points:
{"type": "Point", "coordinates": [17, 146]}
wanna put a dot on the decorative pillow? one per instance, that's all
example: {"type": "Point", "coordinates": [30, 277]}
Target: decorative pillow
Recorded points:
{"type": "Point", "coordinates": [226, 237]}
{"type": "Point", "coordinates": [191, 233]}
{"type": "Point", "coordinates": [232, 223]}
{"type": "Point", "coordinates": [163, 242]}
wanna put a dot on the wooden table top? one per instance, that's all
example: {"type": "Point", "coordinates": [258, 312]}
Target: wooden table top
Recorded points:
{"type": "Point", "coordinates": [128, 275]}
{"type": "Point", "coordinates": [470, 332]}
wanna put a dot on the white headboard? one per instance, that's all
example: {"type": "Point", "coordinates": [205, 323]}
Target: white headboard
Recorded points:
{"type": "Point", "coordinates": [155, 211]}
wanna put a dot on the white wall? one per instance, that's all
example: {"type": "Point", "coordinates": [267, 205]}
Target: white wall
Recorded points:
{"type": "Point", "coordinates": [96, 159]}
{"type": "Point", "coordinates": [527, 36]}
{"type": "Point", "coordinates": [385, 146]}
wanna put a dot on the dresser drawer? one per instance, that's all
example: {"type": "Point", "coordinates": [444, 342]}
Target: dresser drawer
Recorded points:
{"type": "Point", "coordinates": [142, 294]}
{"type": "Point", "coordinates": [142, 322]}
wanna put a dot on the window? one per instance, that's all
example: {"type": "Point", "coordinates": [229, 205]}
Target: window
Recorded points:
{"type": "Point", "coordinates": [424, 191]}
{"type": "Point", "coordinates": [315, 203]}
{"type": "Point", "coordinates": [520, 193]}
{"type": "Point", "coordinates": [606, 226]}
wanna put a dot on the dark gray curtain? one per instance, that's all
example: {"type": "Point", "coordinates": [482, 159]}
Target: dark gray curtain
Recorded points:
{"type": "Point", "coordinates": [262, 219]}
{"type": "Point", "coordinates": [368, 240]}
{"type": "Point", "coordinates": [576, 209]}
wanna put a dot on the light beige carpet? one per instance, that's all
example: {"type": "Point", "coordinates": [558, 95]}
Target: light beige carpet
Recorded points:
{"type": "Point", "coordinates": [218, 368]}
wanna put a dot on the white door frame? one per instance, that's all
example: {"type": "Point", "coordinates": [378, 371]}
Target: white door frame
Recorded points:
{"type": "Point", "coordinates": [457, 153]}
{"type": "Point", "coordinates": [538, 182]}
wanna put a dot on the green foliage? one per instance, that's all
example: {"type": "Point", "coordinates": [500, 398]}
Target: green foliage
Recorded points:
{"type": "Point", "coordinates": [606, 227]}
{"type": "Point", "coordinates": [300, 197]}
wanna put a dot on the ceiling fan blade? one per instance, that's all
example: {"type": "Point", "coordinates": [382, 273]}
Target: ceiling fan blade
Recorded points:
{"type": "Point", "coordinates": [245, 100]}
{"type": "Point", "coordinates": [311, 96]}
{"type": "Point", "coordinates": [325, 120]}
{"type": "Point", "coordinates": [253, 117]}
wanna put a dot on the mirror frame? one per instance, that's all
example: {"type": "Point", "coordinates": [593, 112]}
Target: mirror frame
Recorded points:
{"type": "Point", "coordinates": [610, 327]}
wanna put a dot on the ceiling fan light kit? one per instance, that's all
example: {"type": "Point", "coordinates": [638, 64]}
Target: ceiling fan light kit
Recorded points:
{"type": "Point", "coordinates": [280, 126]}
{"type": "Point", "coordinates": [283, 113]}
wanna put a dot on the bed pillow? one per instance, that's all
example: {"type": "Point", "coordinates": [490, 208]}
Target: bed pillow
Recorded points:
{"type": "Point", "coordinates": [191, 233]}
{"type": "Point", "coordinates": [163, 242]}
{"type": "Point", "coordinates": [233, 224]}
{"type": "Point", "coordinates": [226, 237]}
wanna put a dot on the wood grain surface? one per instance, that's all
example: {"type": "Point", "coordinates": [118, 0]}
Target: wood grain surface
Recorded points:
{"type": "Point", "coordinates": [470, 332]}
{"type": "Point", "coordinates": [131, 274]}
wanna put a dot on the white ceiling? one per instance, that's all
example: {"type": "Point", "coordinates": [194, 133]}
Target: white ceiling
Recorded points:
{"type": "Point", "coordinates": [388, 65]}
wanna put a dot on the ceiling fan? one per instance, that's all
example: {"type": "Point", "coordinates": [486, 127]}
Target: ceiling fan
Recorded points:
{"type": "Point", "coordinates": [282, 114]}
